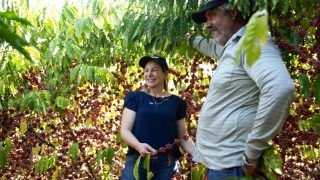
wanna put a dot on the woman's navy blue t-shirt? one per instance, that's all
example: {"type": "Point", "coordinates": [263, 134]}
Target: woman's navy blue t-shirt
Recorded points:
{"type": "Point", "coordinates": [155, 122]}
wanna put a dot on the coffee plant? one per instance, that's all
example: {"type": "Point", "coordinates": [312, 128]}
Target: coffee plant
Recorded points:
{"type": "Point", "coordinates": [64, 74]}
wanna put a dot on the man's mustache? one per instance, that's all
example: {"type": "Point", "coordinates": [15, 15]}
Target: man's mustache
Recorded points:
{"type": "Point", "coordinates": [211, 29]}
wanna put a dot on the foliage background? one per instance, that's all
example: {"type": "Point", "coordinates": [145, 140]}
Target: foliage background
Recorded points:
{"type": "Point", "coordinates": [64, 74]}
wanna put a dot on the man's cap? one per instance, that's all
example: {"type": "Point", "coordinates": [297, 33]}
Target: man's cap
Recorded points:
{"type": "Point", "coordinates": [159, 60]}
{"type": "Point", "coordinates": [200, 16]}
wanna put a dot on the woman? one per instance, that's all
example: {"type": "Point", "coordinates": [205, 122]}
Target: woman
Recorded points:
{"type": "Point", "coordinates": [153, 123]}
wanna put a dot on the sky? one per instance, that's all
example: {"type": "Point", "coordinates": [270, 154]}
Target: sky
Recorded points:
{"type": "Point", "coordinates": [37, 4]}
{"type": "Point", "coordinates": [49, 3]}
{"type": "Point", "coordinates": [53, 7]}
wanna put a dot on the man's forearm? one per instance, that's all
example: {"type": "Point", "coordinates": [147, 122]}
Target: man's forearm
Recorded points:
{"type": "Point", "coordinates": [207, 47]}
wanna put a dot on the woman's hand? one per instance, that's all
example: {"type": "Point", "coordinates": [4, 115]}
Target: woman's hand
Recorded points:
{"type": "Point", "coordinates": [145, 149]}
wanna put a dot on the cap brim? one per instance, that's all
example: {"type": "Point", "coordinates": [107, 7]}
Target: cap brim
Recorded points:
{"type": "Point", "coordinates": [200, 16]}
{"type": "Point", "coordinates": [143, 61]}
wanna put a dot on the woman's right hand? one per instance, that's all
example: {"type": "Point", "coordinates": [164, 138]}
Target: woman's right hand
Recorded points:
{"type": "Point", "coordinates": [145, 149]}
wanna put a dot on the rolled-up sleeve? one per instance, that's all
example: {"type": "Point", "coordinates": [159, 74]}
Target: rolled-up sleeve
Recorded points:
{"type": "Point", "coordinates": [207, 47]}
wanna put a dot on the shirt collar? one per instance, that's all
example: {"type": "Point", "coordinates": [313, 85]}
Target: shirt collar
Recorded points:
{"type": "Point", "coordinates": [237, 35]}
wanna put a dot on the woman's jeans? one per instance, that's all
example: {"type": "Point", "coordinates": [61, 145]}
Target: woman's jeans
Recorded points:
{"type": "Point", "coordinates": [230, 173]}
{"type": "Point", "coordinates": [162, 167]}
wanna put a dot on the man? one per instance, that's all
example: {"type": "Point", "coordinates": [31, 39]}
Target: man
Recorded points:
{"type": "Point", "coordinates": [245, 106]}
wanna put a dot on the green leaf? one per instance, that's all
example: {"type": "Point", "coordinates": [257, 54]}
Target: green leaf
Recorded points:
{"type": "Point", "coordinates": [315, 123]}
{"type": "Point", "coordinates": [45, 99]}
{"type": "Point", "coordinates": [62, 102]}
{"type": "Point", "coordinates": [49, 53]}
{"type": "Point", "coordinates": [304, 125]}
{"type": "Point", "coordinates": [305, 85]}
{"type": "Point", "coordinates": [272, 158]}
{"type": "Point", "coordinates": [44, 163]}
{"type": "Point", "coordinates": [146, 163]}
{"type": "Point", "coordinates": [152, 27]}
{"type": "Point", "coordinates": [89, 122]}
{"type": "Point", "coordinates": [69, 12]}
{"type": "Point", "coordinates": [73, 152]}
{"type": "Point", "coordinates": [139, 30]}
{"type": "Point", "coordinates": [36, 150]}
{"type": "Point", "coordinates": [274, 4]}
{"type": "Point", "coordinates": [2, 87]}
{"type": "Point", "coordinates": [285, 7]}
{"type": "Point", "coordinates": [38, 166]}
{"type": "Point", "coordinates": [310, 153]}
{"type": "Point", "coordinates": [149, 175]}
{"type": "Point", "coordinates": [255, 37]}
{"type": "Point", "coordinates": [99, 22]}
{"type": "Point", "coordinates": [10, 15]}
{"type": "Point", "coordinates": [52, 161]}
{"type": "Point", "coordinates": [110, 155]}
{"type": "Point", "coordinates": [91, 73]}
{"type": "Point", "coordinates": [32, 100]}
{"type": "Point", "coordinates": [23, 127]}
{"type": "Point", "coordinates": [45, 166]}
{"type": "Point", "coordinates": [82, 75]}
{"type": "Point", "coordinates": [130, 31]}
{"type": "Point", "coordinates": [198, 172]}
{"type": "Point", "coordinates": [100, 155]}
{"type": "Point", "coordinates": [316, 88]}
{"type": "Point", "coordinates": [105, 155]}
{"type": "Point", "coordinates": [83, 26]}
{"type": "Point", "coordinates": [3, 157]}
{"type": "Point", "coordinates": [74, 72]}
{"type": "Point", "coordinates": [14, 40]}
{"type": "Point", "coordinates": [34, 53]}
{"type": "Point", "coordinates": [272, 162]}
{"type": "Point", "coordinates": [4, 152]}
{"type": "Point", "coordinates": [136, 169]}
{"type": "Point", "coordinates": [70, 51]}
{"type": "Point", "coordinates": [36, 100]}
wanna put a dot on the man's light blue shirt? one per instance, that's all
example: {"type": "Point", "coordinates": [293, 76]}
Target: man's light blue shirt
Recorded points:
{"type": "Point", "coordinates": [245, 106]}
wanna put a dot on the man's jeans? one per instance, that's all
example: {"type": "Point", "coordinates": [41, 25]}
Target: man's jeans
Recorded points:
{"type": "Point", "coordinates": [162, 168]}
{"type": "Point", "coordinates": [230, 173]}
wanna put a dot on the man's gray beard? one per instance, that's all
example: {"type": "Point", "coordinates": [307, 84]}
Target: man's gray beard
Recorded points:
{"type": "Point", "coordinates": [223, 38]}
{"type": "Point", "coordinates": [218, 39]}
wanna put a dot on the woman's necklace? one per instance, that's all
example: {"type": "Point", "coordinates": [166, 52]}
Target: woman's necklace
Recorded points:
{"type": "Point", "coordinates": [156, 102]}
